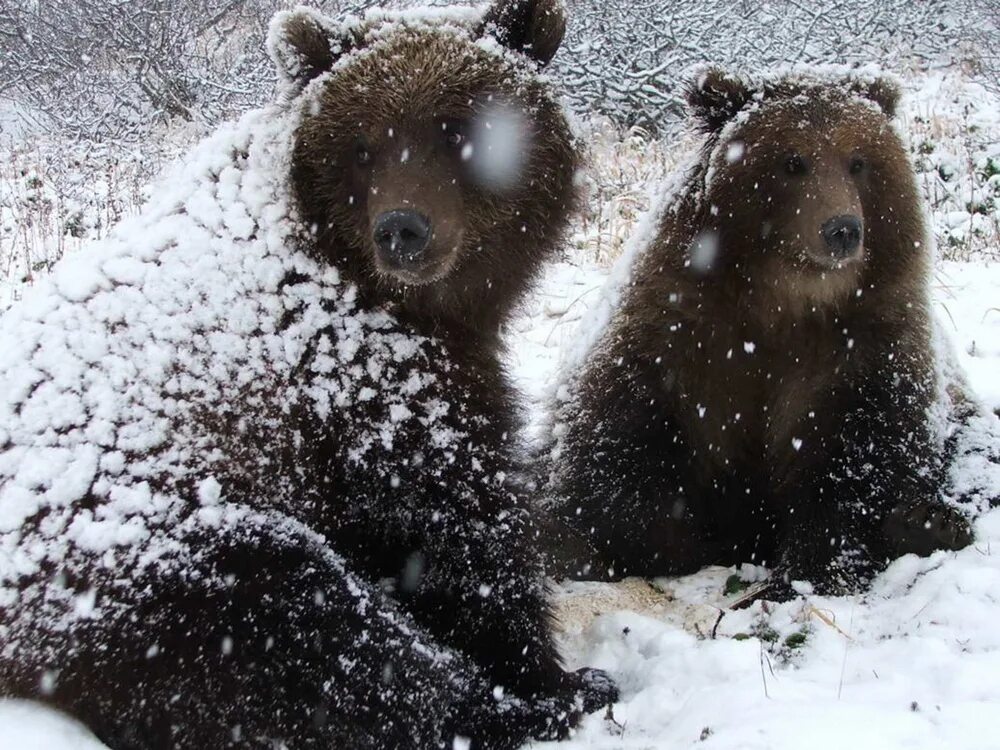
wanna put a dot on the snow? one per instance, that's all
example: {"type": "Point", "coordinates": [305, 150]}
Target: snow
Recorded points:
{"type": "Point", "coordinates": [913, 663]}
{"type": "Point", "coordinates": [73, 399]}
{"type": "Point", "coordinates": [967, 305]}
{"type": "Point", "coordinates": [27, 726]}
{"type": "Point", "coordinates": [500, 146]}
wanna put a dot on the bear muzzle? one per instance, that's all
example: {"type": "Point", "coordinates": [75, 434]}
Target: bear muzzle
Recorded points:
{"type": "Point", "coordinates": [401, 236]}
{"type": "Point", "coordinates": [843, 236]}
{"type": "Point", "coordinates": [410, 248]}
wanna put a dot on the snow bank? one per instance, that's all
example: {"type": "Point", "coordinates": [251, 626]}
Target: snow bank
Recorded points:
{"type": "Point", "coordinates": [911, 664]}
{"type": "Point", "coordinates": [29, 726]}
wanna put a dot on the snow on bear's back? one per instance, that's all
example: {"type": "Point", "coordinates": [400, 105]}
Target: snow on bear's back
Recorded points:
{"type": "Point", "coordinates": [200, 305]}
{"type": "Point", "coordinates": [103, 359]}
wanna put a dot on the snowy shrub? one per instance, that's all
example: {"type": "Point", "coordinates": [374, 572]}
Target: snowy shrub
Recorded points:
{"type": "Point", "coordinates": [57, 194]}
{"type": "Point", "coordinates": [953, 125]}
{"type": "Point", "coordinates": [623, 166]}
{"type": "Point", "coordinates": [111, 68]}
{"type": "Point", "coordinates": [629, 60]}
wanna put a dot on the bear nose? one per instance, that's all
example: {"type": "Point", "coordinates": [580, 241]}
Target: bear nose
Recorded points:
{"type": "Point", "coordinates": [402, 235]}
{"type": "Point", "coordinates": [842, 235]}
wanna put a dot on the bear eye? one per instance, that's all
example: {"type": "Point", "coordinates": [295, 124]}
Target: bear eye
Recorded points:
{"type": "Point", "coordinates": [362, 155]}
{"type": "Point", "coordinates": [454, 133]}
{"type": "Point", "coordinates": [795, 164]}
{"type": "Point", "coordinates": [857, 165]}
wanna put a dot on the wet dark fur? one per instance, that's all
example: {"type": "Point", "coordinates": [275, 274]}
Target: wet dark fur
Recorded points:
{"type": "Point", "coordinates": [307, 668]}
{"type": "Point", "coordinates": [812, 452]}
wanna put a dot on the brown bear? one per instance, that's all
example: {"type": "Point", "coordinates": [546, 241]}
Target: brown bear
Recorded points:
{"type": "Point", "coordinates": [254, 448]}
{"type": "Point", "coordinates": [762, 393]}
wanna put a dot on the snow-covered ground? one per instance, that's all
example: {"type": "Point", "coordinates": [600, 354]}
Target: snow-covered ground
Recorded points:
{"type": "Point", "coordinates": [26, 726]}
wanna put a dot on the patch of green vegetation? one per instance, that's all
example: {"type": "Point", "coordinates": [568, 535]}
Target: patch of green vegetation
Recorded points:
{"type": "Point", "coordinates": [734, 585]}
{"type": "Point", "coordinates": [797, 639]}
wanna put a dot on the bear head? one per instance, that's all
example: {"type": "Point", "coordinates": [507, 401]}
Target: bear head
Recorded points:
{"type": "Point", "coordinates": [432, 161]}
{"type": "Point", "coordinates": [808, 188]}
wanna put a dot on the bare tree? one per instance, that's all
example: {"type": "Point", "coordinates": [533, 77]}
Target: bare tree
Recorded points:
{"type": "Point", "coordinates": [107, 68]}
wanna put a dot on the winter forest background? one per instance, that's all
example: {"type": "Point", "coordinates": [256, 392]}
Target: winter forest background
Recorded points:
{"type": "Point", "coordinates": [97, 95]}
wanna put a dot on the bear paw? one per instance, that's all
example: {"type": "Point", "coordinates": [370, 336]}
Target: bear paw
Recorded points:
{"type": "Point", "coordinates": [594, 688]}
{"type": "Point", "coordinates": [582, 692]}
{"type": "Point", "coordinates": [925, 527]}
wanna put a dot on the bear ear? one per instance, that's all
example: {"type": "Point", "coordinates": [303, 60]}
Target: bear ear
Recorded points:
{"type": "Point", "coordinates": [715, 97]}
{"type": "Point", "coordinates": [303, 45]}
{"type": "Point", "coordinates": [532, 27]}
{"type": "Point", "coordinates": [885, 92]}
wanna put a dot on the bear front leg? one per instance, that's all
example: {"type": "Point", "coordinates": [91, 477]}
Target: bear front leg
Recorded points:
{"type": "Point", "coordinates": [865, 489]}
{"type": "Point", "coordinates": [623, 483]}
{"type": "Point", "coordinates": [261, 638]}
{"type": "Point", "coordinates": [481, 590]}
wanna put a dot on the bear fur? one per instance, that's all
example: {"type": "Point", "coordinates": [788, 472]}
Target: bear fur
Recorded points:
{"type": "Point", "coordinates": [764, 392]}
{"type": "Point", "coordinates": [253, 458]}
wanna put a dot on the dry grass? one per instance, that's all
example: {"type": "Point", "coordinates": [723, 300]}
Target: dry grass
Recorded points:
{"type": "Point", "coordinates": [58, 195]}
{"type": "Point", "coordinates": [621, 168]}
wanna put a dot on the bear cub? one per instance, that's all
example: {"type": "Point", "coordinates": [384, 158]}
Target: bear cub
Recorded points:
{"type": "Point", "coordinates": [328, 553]}
{"type": "Point", "coordinates": [762, 393]}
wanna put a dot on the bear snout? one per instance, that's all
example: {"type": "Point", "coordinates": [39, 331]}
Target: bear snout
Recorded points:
{"type": "Point", "coordinates": [843, 235]}
{"type": "Point", "coordinates": [402, 236]}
